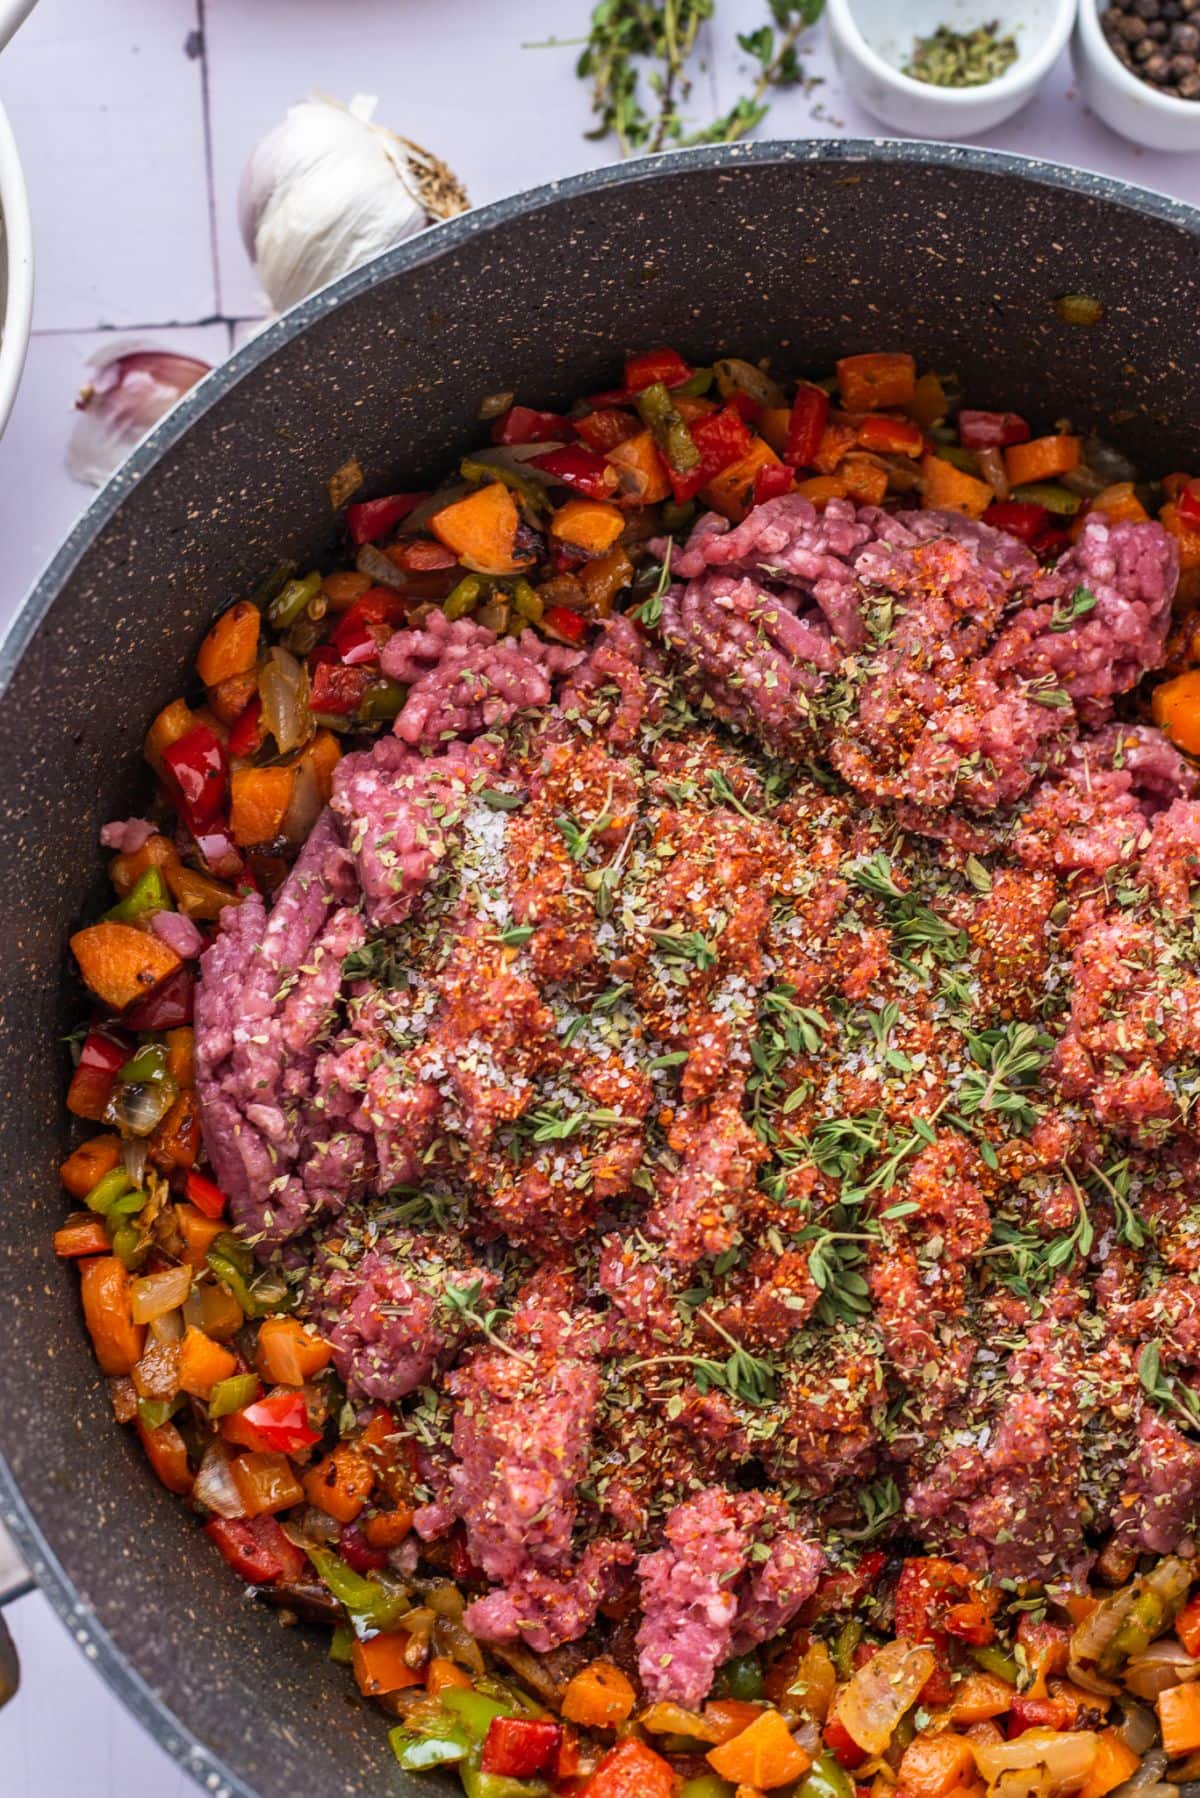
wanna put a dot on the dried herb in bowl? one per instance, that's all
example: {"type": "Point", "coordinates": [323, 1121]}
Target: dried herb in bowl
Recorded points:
{"type": "Point", "coordinates": [949, 58]}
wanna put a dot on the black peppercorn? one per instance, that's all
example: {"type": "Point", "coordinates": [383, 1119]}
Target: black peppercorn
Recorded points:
{"type": "Point", "coordinates": [1189, 87]}
{"type": "Point", "coordinates": [1156, 42]}
{"type": "Point", "coordinates": [1186, 39]}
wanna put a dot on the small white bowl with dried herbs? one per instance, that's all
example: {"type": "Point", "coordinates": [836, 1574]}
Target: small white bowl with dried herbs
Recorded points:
{"type": "Point", "coordinates": [947, 68]}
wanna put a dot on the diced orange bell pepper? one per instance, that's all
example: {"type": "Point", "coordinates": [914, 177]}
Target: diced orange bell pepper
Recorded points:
{"type": "Point", "coordinates": [1115, 1762]}
{"type": "Point", "coordinates": [167, 1454]}
{"type": "Point", "coordinates": [323, 755]}
{"type": "Point", "coordinates": [1187, 538]}
{"type": "Point", "coordinates": [1042, 459]}
{"type": "Point", "coordinates": [763, 1755]}
{"type": "Point", "coordinates": [603, 578]}
{"type": "Point", "coordinates": [231, 646]}
{"type": "Point", "coordinates": [1175, 708]}
{"type": "Point", "coordinates": [929, 404]}
{"type": "Point", "coordinates": [1120, 504]}
{"type": "Point", "coordinates": [935, 1763]}
{"type": "Point", "coordinates": [343, 587]}
{"type": "Point", "coordinates": [950, 489]}
{"type": "Point", "coordinates": [221, 1317]}
{"type": "Point", "coordinates": [598, 1697]}
{"type": "Point", "coordinates": [89, 1163]}
{"type": "Point", "coordinates": [481, 530]}
{"type": "Point", "coordinates": [388, 1529]}
{"type": "Point", "coordinates": [865, 481]}
{"type": "Point", "coordinates": [631, 1770]}
{"type": "Point", "coordinates": [1187, 1625]}
{"type": "Point", "coordinates": [118, 1341]}
{"type": "Point", "coordinates": [837, 440]}
{"type": "Point", "coordinates": [341, 1484]}
{"type": "Point", "coordinates": [980, 1696]}
{"type": "Point", "coordinates": [644, 480]}
{"type": "Point", "coordinates": [821, 488]}
{"type": "Point", "coordinates": [591, 525]}
{"type": "Point", "coordinates": [180, 1045]}
{"type": "Point", "coordinates": [773, 423]}
{"type": "Point", "coordinates": [259, 799]}
{"type": "Point", "coordinates": [202, 1362]}
{"type": "Point", "coordinates": [175, 1142]}
{"type": "Point", "coordinates": [121, 964]}
{"type": "Point", "coordinates": [287, 1354]}
{"type": "Point", "coordinates": [380, 1667]}
{"type": "Point", "coordinates": [198, 1232]}
{"type": "Point", "coordinates": [445, 1676]}
{"type": "Point", "coordinates": [731, 493]}
{"type": "Point", "coordinates": [877, 382]}
{"type": "Point", "coordinates": [266, 1482]}
{"type": "Point", "coordinates": [82, 1234]}
{"type": "Point", "coordinates": [1179, 1719]}
{"type": "Point", "coordinates": [126, 870]}
{"type": "Point", "coordinates": [174, 721]}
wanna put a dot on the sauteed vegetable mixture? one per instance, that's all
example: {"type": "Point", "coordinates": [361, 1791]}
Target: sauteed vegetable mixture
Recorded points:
{"type": "Point", "coordinates": [639, 1107]}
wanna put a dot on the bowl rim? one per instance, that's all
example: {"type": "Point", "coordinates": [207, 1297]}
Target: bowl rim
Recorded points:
{"type": "Point", "coordinates": [1027, 73]}
{"type": "Point", "coordinates": [15, 1513]}
{"type": "Point", "coordinates": [18, 297]}
{"type": "Point", "coordinates": [1097, 48]}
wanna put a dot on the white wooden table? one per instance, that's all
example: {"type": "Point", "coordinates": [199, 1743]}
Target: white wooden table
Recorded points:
{"type": "Point", "coordinates": [134, 118]}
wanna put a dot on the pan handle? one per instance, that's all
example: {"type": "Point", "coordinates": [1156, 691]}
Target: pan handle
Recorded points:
{"type": "Point", "coordinates": [14, 1583]}
{"type": "Point", "coordinates": [12, 14]}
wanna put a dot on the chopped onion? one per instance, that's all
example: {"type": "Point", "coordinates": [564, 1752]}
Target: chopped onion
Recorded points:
{"type": "Point", "coordinates": [1165, 1663]}
{"type": "Point", "coordinates": [134, 1154]}
{"type": "Point", "coordinates": [735, 376]}
{"type": "Point", "coordinates": [215, 1488]}
{"type": "Point", "coordinates": [493, 405]}
{"type": "Point", "coordinates": [283, 686]}
{"type": "Point", "coordinates": [1138, 1727]}
{"type": "Point", "coordinates": [1148, 1775]}
{"type": "Point", "coordinates": [1107, 461]}
{"type": "Point", "coordinates": [381, 568]}
{"type": "Point", "coordinates": [1065, 1756]}
{"type": "Point", "coordinates": [305, 805]}
{"type": "Point", "coordinates": [881, 1691]}
{"type": "Point", "coordinates": [138, 1106]}
{"type": "Point", "coordinates": [991, 467]}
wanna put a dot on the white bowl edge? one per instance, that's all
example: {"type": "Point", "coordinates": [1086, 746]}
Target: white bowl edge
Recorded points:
{"type": "Point", "coordinates": [17, 296]}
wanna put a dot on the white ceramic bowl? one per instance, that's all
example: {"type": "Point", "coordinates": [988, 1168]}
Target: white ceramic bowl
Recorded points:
{"type": "Point", "coordinates": [16, 241]}
{"type": "Point", "coordinates": [1138, 111]}
{"type": "Point", "coordinates": [873, 39]}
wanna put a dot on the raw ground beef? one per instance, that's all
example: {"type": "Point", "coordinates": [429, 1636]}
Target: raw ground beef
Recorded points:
{"type": "Point", "coordinates": [694, 1146]}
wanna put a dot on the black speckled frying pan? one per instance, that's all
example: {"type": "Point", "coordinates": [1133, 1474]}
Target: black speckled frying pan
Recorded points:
{"type": "Point", "coordinates": [804, 251]}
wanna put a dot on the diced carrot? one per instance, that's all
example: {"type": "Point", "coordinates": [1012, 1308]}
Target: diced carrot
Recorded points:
{"type": "Point", "coordinates": [118, 1341]}
{"type": "Point", "coordinates": [763, 1755]}
{"type": "Point", "coordinates": [949, 489]}
{"type": "Point", "coordinates": [643, 478]}
{"type": "Point", "coordinates": [198, 1232]}
{"type": "Point", "coordinates": [198, 895]}
{"type": "Point", "coordinates": [82, 1234]}
{"type": "Point", "coordinates": [980, 1696]}
{"type": "Point", "coordinates": [445, 1676]}
{"type": "Point", "coordinates": [1120, 504]}
{"type": "Point", "coordinates": [1175, 708]}
{"type": "Point", "coordinates": [591, 525]}
{"type": "Point", "coordinates": [1042, 459]}
{"type": "Point", "coordinates": [1187, 538]}
{"type": "Point", "coordinates": [481, 530]}
{"type": "Point", "coordinates": [934, 1764]}
{"type": "Point", "coordinates": [259, 798]}
{"type": "Point", "coordinates": [341, 1484]}
{"type": "Point", "coordinates": [173, 722]}
{"type": "Point", "coordinates": [287, 1354]}
{"type": "Point", "coordinates": [631, 1770]}
{"type": "Point", "coordinates": [392, 1457]}
{"type": "Point", "coordinates": [865, 481]}
{"type": "Point", "coordinates": [323, 754]}
{"type": "Point", "coordinates": [1179, 1718]}
{"type": "Point", "coordinates": [228, 701]}
{"type": "Point", "coordinates": [266, 1482]}
{"type": "Point", "coordinates": [180, 1045]}
{"type": "Point", "coordinates": [598, 1697]}
{"type": "Point", "coordinates": [819, 489]}
{"type": "Point", "coordinates": [167, 1454]}
{"type": "Point", "coordinates": [837, 440]}
{"type": "Point", "coordinates": [380, 1667]}
{"type": "Point", "coordinates": [89, 1163]}
{"type": "Point", "coordinates": [929, 404]}
{"type": "Point", "coordinates": [342, 588]}
{"type": "Point", "coordinates": [126, 870]}
{"type": "Point", "coordinates": [221, 1316]}
{"type": "Point", "coordinates": [724, 1718]}
{"type": "Point", "coordinates": [121, 964]}
{"type": "Point", "coordinates": [1115, 1762]}
{"type": "Point", "coordinates": [603, 578]}
{"type": "Point", "coordinates": [231, 646]}
{"type": "Point", "coordinates": [175, 1141]}
{"type": "Point", "coordinates": [1187, 1625]}
{"type": "Point", "coordinates": [875, 382]}
{"type": "Point", "coordinates": [388, 1529]}
{"type": "Point", "coordinates": [202, 1362]}
{"type": "Point", "coordinates": [1079, 1606]}
{"type": "Point", "coordinates": [732, 491]}
{"type": "Point", "coordinates": [745, 1791]}
{"type": "Point", "coordinates": [773, 422]}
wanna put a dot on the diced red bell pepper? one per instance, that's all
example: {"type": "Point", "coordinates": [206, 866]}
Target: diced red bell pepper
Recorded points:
{"type": "Point", "coordinates": [168, 1007]}
{"type": "Point", "coordinates": [652, 366]}
{"type": "Point", "coordinates": [337, 690]}
{"type": "Point", "coordinates": [204, 1195]}
{"type": "Point", "coordinates": [1050, 544]}
{"type": "Point", "coordinates": [581, 469]}
{"type": "Point", "coordinates": [721, 437]}
{"type": "Point", "coordinates": [569, 1759]}
{"type": "Point", "coordinates": [354, 1548]}
{"type": "Point", "coordinates": [199, 777]}
{"type": "Point", "coordinates": [365, 627]}
{"type": "Point", "coordinates": [841, 1744]}
{"type": "Point", "coordinates": [103, 1054]}
{"type": "Point", "coordinates": [603, 429]}
{"type": "Point", "coordinates": [749, 410]}
{"type": "Point", "coordinates": [806, 426]}
{"type": "Point", "coordinates": [990, 430]}
{"type": "Point", "coordinates": [1037, 1713]}
{"type": "Point", "coordinates": [631, 1770]}
{"type": "Point", "coordinates": [520, 1746]}
{"type": "Point", "coordinates": [1019, 517]}
{"type": "Point", "coordinates": [372, 519]}
{"type": "Point", "coordinates": [277, 1424]}
{"type": "Point", "coordinates": [891, 436]}
{"type": "Point", "coordinates": [521, 424]}
{"type": "Point", "coordinates": [462, 1567]}
{"type": "Point", "coordinates": [357, 642]}
{"type": "Point", "coordinates": [772, 480]}
{"type": "Point", "coordinates": [1188, 505]}
{"type": "Point", "coordinates": [421, 555]}
{"type": "Point", "coordinates": [257, 1549]}
{"type": "Point", "coordinates": [841, 1589]}
{"type": "Point", "coordinates": [245, 733]}
{"type": "Point", "coordinates": [1187, 1625]}
{"type": "Point", "coordinates": [568, 624]}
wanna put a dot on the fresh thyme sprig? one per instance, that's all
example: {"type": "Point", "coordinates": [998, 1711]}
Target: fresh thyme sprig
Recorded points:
{"type": "Point", "coordinates": [1007, 1061]}
{"type": "Point", "coordinates": [463, 1302]}
{"type": "Point", "coordinates": [1171, 1395]}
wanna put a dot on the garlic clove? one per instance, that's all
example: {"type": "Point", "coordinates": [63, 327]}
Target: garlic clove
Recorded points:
{"type": "Point", "coordinates": [133, 385]}
{"type": "Point", "coordinates": [327, 189]}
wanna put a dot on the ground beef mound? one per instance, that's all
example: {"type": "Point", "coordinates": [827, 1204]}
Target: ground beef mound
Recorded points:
{"type": "Point", "coordinates": [731, 1092]}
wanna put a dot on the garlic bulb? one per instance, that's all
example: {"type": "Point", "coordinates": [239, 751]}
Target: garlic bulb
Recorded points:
{"type": "Point", "coordinates": [132, 386]}
{"type": "Point", "coordinates": [326, 190]}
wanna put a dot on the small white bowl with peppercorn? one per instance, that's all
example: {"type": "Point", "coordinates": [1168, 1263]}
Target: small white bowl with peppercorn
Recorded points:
{"type": "Point", "coordinates": [1138, 63]}
{"type": "Point", "coordinates": [947, 68]}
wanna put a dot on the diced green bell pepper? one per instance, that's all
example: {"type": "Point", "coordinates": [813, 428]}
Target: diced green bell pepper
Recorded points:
{"type": "Point", "coordinates": [130, 1245]}
{"type": "Point", "coordinates": [662, 418]}
{"type": "Point", "coordinates": [478, 1784]}
{"type": "Point", "coordinates": [844, 1644]}
{"type": "Point", "coordinates": [258, 1294]}
{"type": "Point", "coordinates": [367, 1601]}
{"type": "Point", "coordinates": [341, 1643]}
{"type": "Point", "coordinates": [527, 602]}
{"type": "Point", "coordinates": [382, 701]}
{"type": "Point", "coordinates": [106, 1192]}
{"type": "Point", "coordinates": [293, 599]}
{"type": "Point", "coordinates": [230, 1395]}
{"type": "Point", "coordinates": [147, 895]}
{"type": "Point", "coordinates": [475, 1710]}
{"type": "Point", "coordinates": [708, 1785]}
{"type": "Point", "coordinates": [826, 1778]}
{"type": "Point", "coordinates": [743, 1677]}
{"type": "Point", "coordinates": [445, 1746]}
{"type": "Point", "coordinates": [463, 598]}
{"type": "Point", "coordinates": [992, 1658]}
{"type": "Point", "coordinates": [149, 1063]}
{"type": "Point", "coordinates": [1059, 500]}
{"type": "Point", "coordinates": [154, 1412]}
{"type": "Point", "coordinates": [523, 485]}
